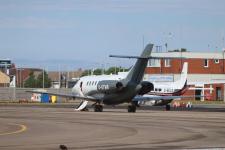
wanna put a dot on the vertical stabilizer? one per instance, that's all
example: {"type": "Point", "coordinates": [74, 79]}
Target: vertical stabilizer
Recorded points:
{"type": "Point", "coordinates": [137, 71]}
{"type": "Point", "coordinates": [183, 78]}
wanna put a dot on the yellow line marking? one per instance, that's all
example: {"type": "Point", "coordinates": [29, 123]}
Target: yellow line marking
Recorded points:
{"type": "Point", "coordinates": [22, 129]}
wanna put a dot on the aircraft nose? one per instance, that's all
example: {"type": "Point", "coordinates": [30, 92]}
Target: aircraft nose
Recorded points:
{"type": "Point", "coordinates": [75, 90]}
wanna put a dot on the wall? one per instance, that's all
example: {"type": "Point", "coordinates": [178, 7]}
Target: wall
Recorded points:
{"type": "Point", "coordinates": [195, 66]}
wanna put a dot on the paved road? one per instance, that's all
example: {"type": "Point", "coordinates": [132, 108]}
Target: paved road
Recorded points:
{"type": "Point", "coordinates": [24, 128]}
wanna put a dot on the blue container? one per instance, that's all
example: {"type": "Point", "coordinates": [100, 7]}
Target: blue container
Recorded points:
{"type": "Point", "coordinates": [44, 98]}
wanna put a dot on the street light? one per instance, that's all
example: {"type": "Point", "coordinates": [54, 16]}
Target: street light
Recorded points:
{"type": "Point", "coordinates": [43, 82]}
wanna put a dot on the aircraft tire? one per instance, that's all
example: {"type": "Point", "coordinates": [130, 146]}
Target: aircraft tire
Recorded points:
{"type": "Point", "coordinates": [131, 108]}
{"type": "Point", "coordinates": [167, 107]}
{"type": "Point", "coordinates": [98, 108]}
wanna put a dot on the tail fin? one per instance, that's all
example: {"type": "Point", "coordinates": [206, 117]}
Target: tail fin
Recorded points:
{"type": "Point", "coordinates": [137, 71]}
{"type": "Point", "coordinates": [183, 78]}
{"type": "Point", "coordinates": [184, 71]}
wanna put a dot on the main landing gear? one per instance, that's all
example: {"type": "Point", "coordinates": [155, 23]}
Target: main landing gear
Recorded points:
{"type": "Point", "coordinates": [98, 108]}
{"type": "Point", "coordinates": [131, 108]}
{"type": "Point", "coordinates": [168, 107]}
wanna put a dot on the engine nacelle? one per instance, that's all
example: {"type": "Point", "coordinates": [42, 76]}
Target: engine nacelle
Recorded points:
{"type": "Point", "coordinates": [146, 87]}
{"type": "Point", "coordinates": [107, 86]}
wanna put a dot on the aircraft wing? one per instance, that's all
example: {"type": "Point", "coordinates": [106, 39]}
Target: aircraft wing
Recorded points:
{"type": "Point", "coordinates": [88, 98]}
{"type": "Point", "coordinates": [156, 97]}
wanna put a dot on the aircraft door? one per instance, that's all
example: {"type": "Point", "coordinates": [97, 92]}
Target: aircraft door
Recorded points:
{"type": "Point", "coordinates": [218, 93]}
{"type": "Point", "coordinates": [81, 84]}
{"type": "Point", "coordinates": [198, 94]}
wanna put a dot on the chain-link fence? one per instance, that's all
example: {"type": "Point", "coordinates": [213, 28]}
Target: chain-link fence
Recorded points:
{"type": "Point", "coordinates": [16, 94]}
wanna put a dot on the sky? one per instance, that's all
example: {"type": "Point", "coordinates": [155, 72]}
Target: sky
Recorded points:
{"type": "Point", "coordinates": [68, 34]}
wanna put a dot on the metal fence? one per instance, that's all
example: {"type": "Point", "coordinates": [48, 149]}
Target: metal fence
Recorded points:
{"type": "Point", "coordinates": [10, 94]}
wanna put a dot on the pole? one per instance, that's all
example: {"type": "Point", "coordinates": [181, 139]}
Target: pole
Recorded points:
{"type": "Point", "coordinates": [59, 77]}
{"type": "Point", "coordinates": [68, 77]}
{"type": "Point", "coordinates": [43, 82]}
{"type": "Point", "coordinates": [223, 61]}
{"type": "Point", "coordinates": [20, 79]}
{"type": "Point", "coordinates": [14, 87]}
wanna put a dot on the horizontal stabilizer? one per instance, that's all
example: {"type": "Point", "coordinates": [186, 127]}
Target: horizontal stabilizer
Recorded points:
{"type": "Point", "coordinates": [122, 56]}
{"type": "Point", "coordinates": [139, 57]}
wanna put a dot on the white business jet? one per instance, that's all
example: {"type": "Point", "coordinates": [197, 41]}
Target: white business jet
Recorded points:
{"type": "Point", "coordinates": [114, 89]}
{"type": "Point", "coordinates": [165, 92]}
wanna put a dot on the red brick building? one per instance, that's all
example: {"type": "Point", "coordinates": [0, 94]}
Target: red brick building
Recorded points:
{"type": "Point", "coordinates": [206, 68]}
{"type": "Point", "coordinates": [22, 74]}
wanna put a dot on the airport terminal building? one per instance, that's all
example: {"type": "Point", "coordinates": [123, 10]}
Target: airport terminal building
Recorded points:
{"type": "Point", "coordinates": [206, 71]}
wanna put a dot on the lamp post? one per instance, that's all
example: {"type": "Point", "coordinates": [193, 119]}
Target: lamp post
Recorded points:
{"type": "Point", "coordinates": [43, 82]}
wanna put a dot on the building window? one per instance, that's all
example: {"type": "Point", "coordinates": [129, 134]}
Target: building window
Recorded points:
{"type": "Point", "coordinates": [167, 63]}
{"type": "Point", "coordinates": [216, 61]}
{"type": "Point", "coordinates": [154, 63]}
{"type": "Point", "coordinates": [206, 63]}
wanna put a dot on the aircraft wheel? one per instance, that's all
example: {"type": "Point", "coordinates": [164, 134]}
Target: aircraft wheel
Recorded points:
{"type": "Point", "coordinates": [98, 108]}
{"type": "Point", "coordinates": [131, 108]}
{"type": "Point", "coordinates": [167, 107]}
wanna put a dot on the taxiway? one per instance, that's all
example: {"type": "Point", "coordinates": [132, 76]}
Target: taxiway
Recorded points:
{"type": "Point", "coordinates": [38, 128]}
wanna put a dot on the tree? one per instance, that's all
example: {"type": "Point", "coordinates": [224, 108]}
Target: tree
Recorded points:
{"type": "Point", "coordinates": [31, 81]}
{"type": "Point", "coordinates": [94, 72]}
{"type": "Point", "coordinates": [115, 70]}
{"type": "Point", "coordinates": [47, 81]}
{"type": "Point", "coordinates": [98, 71]}
{"type": "Point", "coordinates": [183, 50]}
{"type": "Point", "coordinates": [85, 73]}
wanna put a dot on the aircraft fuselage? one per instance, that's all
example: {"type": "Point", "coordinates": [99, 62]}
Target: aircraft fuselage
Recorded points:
{"type": "Point", "coordinates": [108, 92]}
